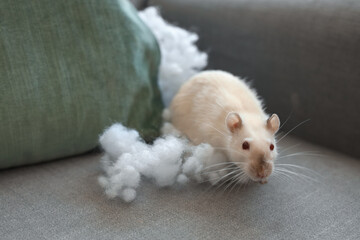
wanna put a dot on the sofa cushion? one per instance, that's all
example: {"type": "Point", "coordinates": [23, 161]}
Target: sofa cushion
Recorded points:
{"type": "Point", "coordinates": [69, 69]}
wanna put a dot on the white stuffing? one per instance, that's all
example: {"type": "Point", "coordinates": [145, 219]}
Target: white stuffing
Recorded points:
{"type": "Point", "coordinates": [171, 159]}
{"type": "Point", "coordinates": [167, 161]}
{"type": "Point", "coordinates": [180, 58]}
{"type": "Point", "coordinates": [182, 179]}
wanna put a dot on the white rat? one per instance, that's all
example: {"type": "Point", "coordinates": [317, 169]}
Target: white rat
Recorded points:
{"type": "Point", "coordinates": [218, 108]}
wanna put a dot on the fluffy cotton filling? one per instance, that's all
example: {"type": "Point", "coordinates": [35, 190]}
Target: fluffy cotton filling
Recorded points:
{"type": "Point", "coordinates": [180, 57]}
{"type": "Point", "coordinates": [167, 161]}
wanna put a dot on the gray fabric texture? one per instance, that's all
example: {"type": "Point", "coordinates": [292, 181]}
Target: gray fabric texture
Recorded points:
{"type": "Point", "coordinates": [302, 56]}
{"type": "Point", "coordinates": [139, 4]}
{"type": "Point", "coordinates": [68, 69]}
{"type": "Point", "coordinates": [62, 200]}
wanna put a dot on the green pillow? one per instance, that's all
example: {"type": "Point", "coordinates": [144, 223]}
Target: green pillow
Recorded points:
{"type": "Point", "coordinates": [68, 69]}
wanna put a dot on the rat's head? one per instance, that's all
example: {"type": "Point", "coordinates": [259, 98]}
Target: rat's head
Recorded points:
{"type": "Point", "coordinates": [252, 144]}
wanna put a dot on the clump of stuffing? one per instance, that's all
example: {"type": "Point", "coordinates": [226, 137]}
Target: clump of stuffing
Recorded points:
{"type": "Point", "coordinates": [167, 161]}
{"type": "Point", "coordinates": [180, 58]}
{"type": "Point", "coordinates": [171, 159]}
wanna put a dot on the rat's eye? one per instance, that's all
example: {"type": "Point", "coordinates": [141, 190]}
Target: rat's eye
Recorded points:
{"type": "Point", "coordinates": [271, 147]}
{"type": "Point", "coordinates": [245, 145]}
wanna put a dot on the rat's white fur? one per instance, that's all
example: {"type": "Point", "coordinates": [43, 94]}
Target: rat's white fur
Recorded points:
{"type": "Point", "coordinates": [218, 108]}
{"type": "Point", "coordinates": [180, 58]}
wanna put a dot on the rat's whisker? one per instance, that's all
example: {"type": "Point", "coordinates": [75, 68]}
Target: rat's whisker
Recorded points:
{"type": "Point", "coordinates": [220, 170]}
{"type": "Point", "coordinates": [281, 176]}
{"type": "Point", "coordinates": [225, 183]}
{"type": "Point", "coordinates": [223, 163]}
{"type": "Point", "coordinates": [288, 148]}
{"type": "Point", "coordinates": [293, 129]}
{"type": "Point", "coordinates": [241, 180]}
{"type": "Point", "coordinates": [296, 174]}
{"type": "Point", "coordinates": [297, 166]}
{"type": "Point", "coordinates": [212, 185]}
{"type": "Point", "coordinates": [287, 119]}
{"type": "Point", "coordinates": [224, 178]}
{"type": "Point", "coordinates": [217, 179]}
{"type": "Point", "coordinates": [302, 152]}
{"type": "Point", "coordinates": [229, 183]}
{"type": "Point", "coordinates": [309, 153]}
{"type": "Point", "coordinates": [284, 175]}
{"type": "Point", "coordinates": [276, 176]}
{"type": "Point", "coordinates": [218, 164]}
{"type": "Point", "coordinates": [233, 180]}
{"type": "Point", "coordinates": [237, 182]}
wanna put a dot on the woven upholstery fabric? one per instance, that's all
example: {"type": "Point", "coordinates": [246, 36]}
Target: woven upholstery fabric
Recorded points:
{"type": "Point", "coordinates": [62, 200]}
{"type": "Point", "coordinates": [69, 69]}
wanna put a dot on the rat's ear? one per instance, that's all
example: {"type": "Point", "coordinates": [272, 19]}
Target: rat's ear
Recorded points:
{"type": "Point", "coordinates": [233, 121]}
{"type": "Point", "coordinates": [273, 123]}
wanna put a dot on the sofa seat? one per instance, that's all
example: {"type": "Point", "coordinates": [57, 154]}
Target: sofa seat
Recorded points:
{"type": "Point", "coordinates": [62, 200]}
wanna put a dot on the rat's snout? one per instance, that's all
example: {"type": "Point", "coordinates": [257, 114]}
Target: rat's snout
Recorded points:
{"type": "Point", "coordinates": [264, 171]}
{"type": "Point", "coordinates": [261, 170]}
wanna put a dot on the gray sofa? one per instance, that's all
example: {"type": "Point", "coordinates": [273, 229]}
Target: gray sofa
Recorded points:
{"type": "Point", "coordinates": [282, 46]}
{"type": "Point", "coordinates": [302, 56]}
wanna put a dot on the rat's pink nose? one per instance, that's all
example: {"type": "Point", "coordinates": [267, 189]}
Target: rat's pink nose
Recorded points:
{"type": "Point", "coordinates": [261, 175]}
{"type": "Point", "coordinates": [261, 172]}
